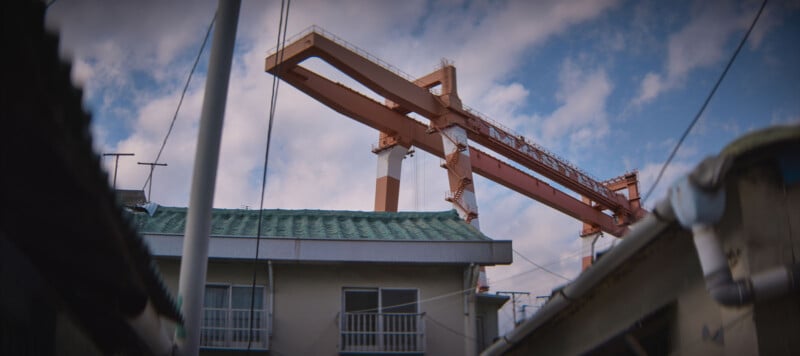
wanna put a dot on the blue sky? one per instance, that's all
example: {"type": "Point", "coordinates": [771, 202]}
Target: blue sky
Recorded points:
{"type": "Point", "coordinates": [609, 85]}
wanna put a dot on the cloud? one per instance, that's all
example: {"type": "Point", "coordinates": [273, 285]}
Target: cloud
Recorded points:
{"type": "Point", "coordinates": [582, 115]}
{"type": "Point", "coordinates": [703, 42]}
{"type": "Point", "coordinates": [648, 175]}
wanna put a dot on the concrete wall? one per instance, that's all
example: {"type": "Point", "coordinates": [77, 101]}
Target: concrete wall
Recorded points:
{"type": "Point", "coordinates": [767, 234]}
{"type": "Point", "coordinates": [308, 300]}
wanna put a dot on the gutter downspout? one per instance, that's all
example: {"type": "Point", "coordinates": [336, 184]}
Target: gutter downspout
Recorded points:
{"type": "Point", "coordinates": [594, 241]}
{"type": "Point", "coordinates": [700, 209]}
{"type": "Point", "coordinates": [471, 275]}
{"type": "Point", "coordinates": [271, 305]}
{"type": "Point", "coordinates": [641, 234]}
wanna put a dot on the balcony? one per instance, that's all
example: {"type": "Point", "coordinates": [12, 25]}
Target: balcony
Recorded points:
{"type": "Point", "coordinates": [225, 328]}
{"type": "Point", "coordinates": [389, 333]}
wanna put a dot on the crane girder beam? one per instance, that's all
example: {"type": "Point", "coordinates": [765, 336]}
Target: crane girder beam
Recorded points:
{"type": "Point", "coordinates": [414, 133]}
{"type": "Point", "coordinates": [363, 109]}
{"type": "Point", "coordinates": [375, 77]}
{"type": "Point", "coordinates": [527, 185]}
{"type": "Point", "coordinates": [538, 160]}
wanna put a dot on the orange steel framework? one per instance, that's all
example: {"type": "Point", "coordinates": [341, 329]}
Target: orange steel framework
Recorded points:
{"type": "Point", "coordinates": [451, 125]}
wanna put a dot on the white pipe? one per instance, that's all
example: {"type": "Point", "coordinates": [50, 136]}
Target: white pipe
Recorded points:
{"type": "Point", "coordinates": [194, 262]}
{"type": "Point", "coordinates": [700, 209]}
{"type": "Point", "coordinates": [594, 241]}
{"type": "Point", "coordinates": [709, 250]}
{"type": "Point", "coordinates": [470, 280]}
{"type": "Point", "coordinates": [271, 307]}
{"type": "Point", "coordinates": [762, 286]}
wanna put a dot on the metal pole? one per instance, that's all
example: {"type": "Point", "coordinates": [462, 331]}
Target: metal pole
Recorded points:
{"type": "Point", "coordinates": [513, 295]}
{"type": "Point", "coordinates": [191, 285]}
{"type": "Point", "coordinates": [116, 165]}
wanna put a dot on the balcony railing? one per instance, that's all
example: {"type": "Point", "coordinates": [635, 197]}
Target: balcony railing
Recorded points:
{"type": "Point", "coordinates": [382, 333]}
{"type": "Point", "coordinates": [229, 328]}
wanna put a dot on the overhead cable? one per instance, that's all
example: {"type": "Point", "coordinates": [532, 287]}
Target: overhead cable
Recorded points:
{"type": "Point", "coordinates": [281, 43]}
{"type": "Point", "coordinates": [541, 267]}
{"type": "Point", "coordinates": [705, 103]}
{"type": "Point", "coordinates": [183, 94]}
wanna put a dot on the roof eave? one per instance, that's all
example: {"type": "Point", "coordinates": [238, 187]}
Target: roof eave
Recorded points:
{"type": "Point", "coordinates": [484, 252]}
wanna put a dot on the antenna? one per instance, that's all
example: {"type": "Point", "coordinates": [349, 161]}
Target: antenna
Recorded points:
{"type": "Point", "coordinates": [150, 178]}
{"type": "Point", "coordinates": [116, 165]}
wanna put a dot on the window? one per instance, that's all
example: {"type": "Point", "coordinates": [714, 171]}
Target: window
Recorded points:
{"type": "Point", "coordinates": [226, 317]}
{"type": "Point", "coordinates": [384, 320]}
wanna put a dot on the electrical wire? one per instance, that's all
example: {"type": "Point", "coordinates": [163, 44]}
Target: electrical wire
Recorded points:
{"type": "Point", "coordinates": [183, 94]}
{"type": "Point", "coordinates": [443, 326]}
{"type": "Point", "coordinates": [508, 278]}
{"type": "Point", "coordinates": [457, 292]}
{"type": "Point", "coordinates": [281, 43]}
{"type": "Point", "coordinates": [705, 103]}
{"type": "Point", "coordinates": [540, 266]}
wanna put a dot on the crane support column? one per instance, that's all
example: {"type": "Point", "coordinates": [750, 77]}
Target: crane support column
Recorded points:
{"type": "Point", "coordinates": [588, 249]}
{"type": "Point", "coordinates": [387, 185]}
{"type": "Point", "coordinates": [459, 173]}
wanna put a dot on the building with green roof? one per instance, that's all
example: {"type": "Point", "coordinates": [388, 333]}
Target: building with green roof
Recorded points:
{"type": "Point", "coordinates": [336, 282]}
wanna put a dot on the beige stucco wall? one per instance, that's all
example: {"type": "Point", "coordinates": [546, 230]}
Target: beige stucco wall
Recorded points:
{"type": "Point", "coordinates": [308, 300]}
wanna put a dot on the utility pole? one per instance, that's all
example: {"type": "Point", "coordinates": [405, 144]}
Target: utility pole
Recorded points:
{"type": "Point", "coordinates": [513, 302]}
{"type": "Point", "coordinates": [116, 165]}
{"type": "Point", "coordinates": [194, 260]}
{"type": "Point", "coordinates": [152, 166]}
{"type": "Point", "coordinates": [522, 309]}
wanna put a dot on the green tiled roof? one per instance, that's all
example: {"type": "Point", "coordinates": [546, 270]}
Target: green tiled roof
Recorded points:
{"type": "Point", "coordinates": [319, 224]}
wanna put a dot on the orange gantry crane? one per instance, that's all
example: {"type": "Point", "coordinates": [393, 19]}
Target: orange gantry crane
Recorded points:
{"type": "Point", "coordinates": [452, 125]}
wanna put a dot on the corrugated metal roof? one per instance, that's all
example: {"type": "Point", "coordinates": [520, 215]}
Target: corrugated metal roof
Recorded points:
{"type": "Point", "coordinates": [319, 224]}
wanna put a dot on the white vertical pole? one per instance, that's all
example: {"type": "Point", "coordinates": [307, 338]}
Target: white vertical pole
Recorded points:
{"type": "Point", "coordinates": [194, 262]}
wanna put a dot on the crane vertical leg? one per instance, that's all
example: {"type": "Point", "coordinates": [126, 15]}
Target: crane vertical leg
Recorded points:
{"type": "Point", "coordinates": [633, 195]}
{"type": "Point", "coordinates": [459, 174]}
{"type": "Point", "coordinates": [587, 250]}
{"type": "Point", "coordinates": [589, 236]}
{"type": "Point", "coordinates": [462, 190]}
{"type": "Point", "coordinates": [387, 185]}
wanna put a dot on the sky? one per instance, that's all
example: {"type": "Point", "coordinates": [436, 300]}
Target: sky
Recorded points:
{"type": "Point", "coordinates": [609, 85]}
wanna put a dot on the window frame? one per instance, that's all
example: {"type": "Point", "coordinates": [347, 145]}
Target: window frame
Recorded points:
{"type": "Point", "coordinates": [228, 339]}
{"type": "Point", "coordinates": [380, 329]}
{"type": "Point", "coordinates": [380, 296]}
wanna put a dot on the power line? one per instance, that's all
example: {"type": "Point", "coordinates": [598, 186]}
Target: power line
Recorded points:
{"type": "Point", "coordinates": [541, 267]}
{"type": "Point", "coordinates": [457, 292]}
{"type": "Point", "coordinates": [183, 94]}
{"type": "Point", "coordinates": [705, 103]}
{"type": "Point", "coordinates": [283, 24]}
{"type": "Point", "coordinates": [443, 326]}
